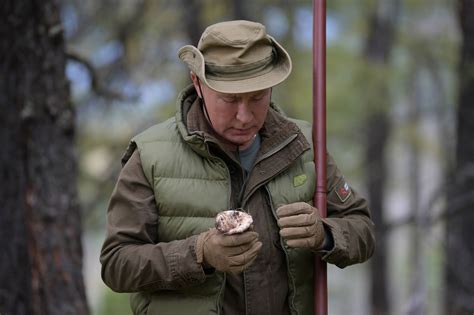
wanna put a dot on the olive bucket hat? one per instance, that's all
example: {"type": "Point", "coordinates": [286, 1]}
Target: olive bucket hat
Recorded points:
{"type": "Point", "coordinates": [237, 57]}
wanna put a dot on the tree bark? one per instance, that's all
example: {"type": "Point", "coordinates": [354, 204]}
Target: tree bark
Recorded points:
{"type": "Point", "coordinates": [378, 47]}
{"type": "Point", "coordinates": [41, 264]}
{"type": "Point", "coordinates": [459, 231]}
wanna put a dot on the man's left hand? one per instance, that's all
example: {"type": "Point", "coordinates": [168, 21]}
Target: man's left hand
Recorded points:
{"type": "Point", "coordinates": [301, 225]}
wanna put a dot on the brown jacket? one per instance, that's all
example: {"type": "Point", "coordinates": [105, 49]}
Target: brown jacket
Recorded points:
{"type": "Point", "coordinates": [133, 259]}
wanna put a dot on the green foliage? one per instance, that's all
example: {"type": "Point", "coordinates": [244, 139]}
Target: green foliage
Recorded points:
{"type": "Point", "coordinates": [113, 304]}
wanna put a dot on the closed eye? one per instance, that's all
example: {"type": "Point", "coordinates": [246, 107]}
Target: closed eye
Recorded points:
{"type": "Point", "coordinates": [230, 99]}
{"type": "Point", "coordinates": [258, 98]}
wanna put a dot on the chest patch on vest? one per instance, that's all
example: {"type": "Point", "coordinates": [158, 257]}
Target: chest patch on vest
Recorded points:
{"type": "Point", "coordinates": [343, 191]}
{"type": "Point", "coordinates": [299, 180]}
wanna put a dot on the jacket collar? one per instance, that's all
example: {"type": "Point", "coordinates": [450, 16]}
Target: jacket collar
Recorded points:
{"type": "Point", "coordinates": [277, 133]}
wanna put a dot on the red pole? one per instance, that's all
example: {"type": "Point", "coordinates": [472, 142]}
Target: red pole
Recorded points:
{"type": "Point", "coordinates": [319, 143]}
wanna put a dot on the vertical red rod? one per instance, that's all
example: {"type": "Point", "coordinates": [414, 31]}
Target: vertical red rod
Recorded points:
{"type": "Point", "coordinates": [319, 143]}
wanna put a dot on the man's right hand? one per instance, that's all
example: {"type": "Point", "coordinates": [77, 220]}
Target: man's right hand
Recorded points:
{"type": "Point", "coordinates": [227, 253]}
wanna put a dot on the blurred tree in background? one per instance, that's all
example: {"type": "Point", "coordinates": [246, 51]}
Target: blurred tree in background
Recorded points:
{"type": "Point", "coordinates": [393, 80]}
{"type": "Point", "coordinates": [40, 227]}
{"type": "Point", "coordinates": [382, 17]}
{"type": "Point", "coordinates": [460, 216]}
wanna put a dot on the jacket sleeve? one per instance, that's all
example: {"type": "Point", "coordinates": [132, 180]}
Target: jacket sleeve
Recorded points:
{"type": "Point", "coordinates": [348, 221]}
{"type": "Point", "coordinates": [132, 258]}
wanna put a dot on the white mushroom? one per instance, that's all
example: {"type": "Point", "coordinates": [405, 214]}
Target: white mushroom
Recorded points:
{"type": "Point", "coordinates": [233, 221]}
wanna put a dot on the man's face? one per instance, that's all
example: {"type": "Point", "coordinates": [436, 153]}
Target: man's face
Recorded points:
{"type": "Point", "coordinates": [236, 118]}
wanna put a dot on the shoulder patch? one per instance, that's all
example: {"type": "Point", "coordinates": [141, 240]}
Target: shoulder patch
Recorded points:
{"type": "Point", "coordinates": [299, 180]}
{"type": "Point", "coordinates": [343, 191]}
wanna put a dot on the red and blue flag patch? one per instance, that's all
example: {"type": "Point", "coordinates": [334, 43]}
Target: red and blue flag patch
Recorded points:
{"type": "Point", "coordinates": [343, 191]}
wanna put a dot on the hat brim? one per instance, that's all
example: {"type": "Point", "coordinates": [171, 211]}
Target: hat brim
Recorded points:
{"type": "Point", "coordinates": [279, 72]}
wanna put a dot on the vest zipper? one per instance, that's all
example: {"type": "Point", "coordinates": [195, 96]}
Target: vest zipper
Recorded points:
{"type": "Point", "coordinates": [221, 291]}
{"type": "Point", "coordinates": [245, 293]}
{"type": "Point", "coordinates": [223, 164]}
{"type": "Point", "coordinates": [291, 300]}
{"type": "Point", "coordinates": [219, 296]}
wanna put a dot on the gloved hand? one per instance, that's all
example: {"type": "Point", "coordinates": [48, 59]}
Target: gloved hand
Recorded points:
{"type": "Point", "coordinates": [227, 253]}
{"type": "Point", "coordinates": [301, 225]}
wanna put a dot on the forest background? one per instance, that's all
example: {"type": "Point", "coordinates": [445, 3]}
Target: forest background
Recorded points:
{"type": "Point", "coordinates": [82, 77]}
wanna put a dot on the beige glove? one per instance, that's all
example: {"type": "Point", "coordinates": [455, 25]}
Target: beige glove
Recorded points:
{"type": "Point", "coordinates": [301, 225]}
{"type": "Point", "coordinates": [227, 253]}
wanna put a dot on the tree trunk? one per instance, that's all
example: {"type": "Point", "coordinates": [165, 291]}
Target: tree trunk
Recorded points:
{"type": "Point", "coordinates": [416, 303]}
{"type": "Point", "coordinates": [239, 11]}
{"type": "Point", "coordinates": [459, 231]}
{"type": "Point", "coordinates": [41, 264]}
{"type": "Point", "coordinates": [378, 47]}
{"type": "Point", "coordinates": [192, 20]}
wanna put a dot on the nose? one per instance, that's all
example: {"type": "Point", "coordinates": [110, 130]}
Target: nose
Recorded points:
{"type": "Point", "coordinates": [244, 114]}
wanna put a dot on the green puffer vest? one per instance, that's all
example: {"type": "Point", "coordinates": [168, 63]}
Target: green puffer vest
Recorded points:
{"type": "Point", "coordinates": [190, 189]}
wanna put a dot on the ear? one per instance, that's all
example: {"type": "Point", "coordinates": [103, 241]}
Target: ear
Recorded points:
{"type": "Point", "coordinates": [195, 80]}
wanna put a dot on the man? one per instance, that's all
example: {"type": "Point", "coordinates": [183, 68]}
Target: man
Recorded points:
{"type": "Point", "coordinates": [228, 147]}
